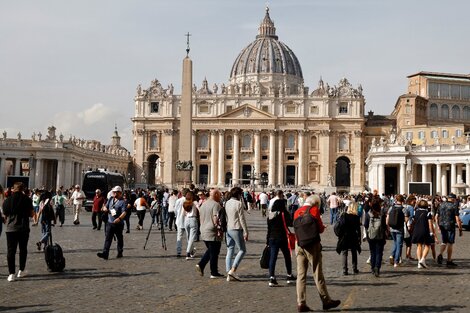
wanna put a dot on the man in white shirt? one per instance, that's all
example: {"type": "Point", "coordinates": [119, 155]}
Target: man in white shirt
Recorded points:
{"type": "Point", "coordinates": [263, 201]}
{"type": "Point", "coordinates": [180, 221]}
{"type": "Point", "coordinates": [78, 196]}
{"type": "Point", "coordinates": [333, 202]}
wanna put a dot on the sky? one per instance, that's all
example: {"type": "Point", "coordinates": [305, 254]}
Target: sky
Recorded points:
{"type": "Point", "coordinates": [76, 64]}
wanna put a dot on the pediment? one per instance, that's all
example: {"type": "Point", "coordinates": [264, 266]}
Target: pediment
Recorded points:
{"type": "Point", "coordinates": [247, 111]}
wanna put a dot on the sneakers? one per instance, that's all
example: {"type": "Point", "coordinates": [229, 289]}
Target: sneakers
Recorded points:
{"type": "Point", "coordinates": [199, 270]}
{"type": "Point", "coordinates": [273, 282]}
{"type": "Point", "coordinates": [439, 259]}
{"type": "Point", "coordinates": [189, 256]}
{"type": "Point", "coordinates": [391, 260]}
{"type": "Point", "coordinates": [356, 271]}
{"type": "Point", "coordinates": [217, 275]}
{"type": "Point", "coordinates": [21, 274]}
{"type": "Point", "coordinates": [102, 255]}
{"type": "Point", "coordinates": [291, 279]}
{"type": "Point", "coordinates": [331, 304]}
{"type": "Point", "coordinates": [232, 276]}
{"type": "Point", "coordinates": [119, 255]}
{"type": "Point", "coordinates": [376, 272]}
{"type": "Point", "coordinates": [451, 264]}
{"type": "Point", "coordinates": [422, 263]}
{"type": "Point", "coordinates": [303, 308]}
{"type": "Point", "coordinates": [39, 244]}
{"type": "Point", "coordinates": [395, 265]}
{"type": "Point", "coordinates": [11, 277]}
{"type": "Point", "coordinates": [368, 261]}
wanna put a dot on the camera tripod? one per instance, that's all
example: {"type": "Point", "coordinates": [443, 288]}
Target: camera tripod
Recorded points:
{"type": "Point", "coordinates": [162, 230]}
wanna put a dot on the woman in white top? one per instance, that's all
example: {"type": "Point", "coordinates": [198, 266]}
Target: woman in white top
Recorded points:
{"type": "Point", "coordinates": [237, 232]}
{"type": "Point", "coordinates": [171, 209]}
{"type": "Point", "coordinates": [190, 212]}
{"type": "Point", "coordinates": [141, 206]}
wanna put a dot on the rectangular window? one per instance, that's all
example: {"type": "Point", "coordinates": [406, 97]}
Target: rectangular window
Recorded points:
{"type": "Point", "coordinates": [455, 91]}
{"type": "Point", "coordinates": [291, 158]}
{"type": "Point", "coordinates": [228, 157]}
{"type": "Point", "coordinates": [445, 134]}
{"type": "Point", "coordinates": [409, 135]}
{"type": "Point", "coordinates": [314, 109]}
{"type": "Point", "coordinates": [203, 157]}
{"type": "Point", "coordinates": [458, 133]}
{"type": "Point", "coordinates": [421, 135]}
{"type": "Point", "coordinates": [465, 92]}
{"type": "Point", "coordinates": [434, 134]}
{"type": "Point", "coordinates": [264, 157]}
{"type": "Point", "coordinates": [204, 109]}
{"type": "Point", "coordinates": [154, 107]}
{"type": "Point", "coordinates": [408, 109]}
{"type": "Point", "coordinates": [444, 91]}
{"type": "Point", "coordinates": [229, 108]}
{"type": "Point", "coordinates": [265, 108]}
{"type": "Point", "coordinates": [343, 108]}
{"type": "Point", "coordinates": [290, 109]}
{"type": "Point", "coordinates": [433, 90]}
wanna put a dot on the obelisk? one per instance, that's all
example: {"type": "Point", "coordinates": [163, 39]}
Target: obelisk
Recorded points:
{"type": "Point", "coordinates": [184, 164]}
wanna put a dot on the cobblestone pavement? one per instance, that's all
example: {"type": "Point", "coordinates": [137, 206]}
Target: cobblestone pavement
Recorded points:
{"type": "Point", "coordinates": [154, 280]}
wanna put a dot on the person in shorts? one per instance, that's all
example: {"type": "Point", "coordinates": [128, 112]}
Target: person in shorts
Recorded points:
{"type": "Point", "coordinates": [447, 217]}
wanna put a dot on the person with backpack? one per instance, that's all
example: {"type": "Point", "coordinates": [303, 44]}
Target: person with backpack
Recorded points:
{"type": "Point", "coordinates": [447, 217]}
{"type": "Point", "coordinates": [396, 222]}
{"type": "Point", "coordinates": [59, 202]}
{"type": "Point", "coordinates": [308, 251]}
{"type": "Point", "coordinates": [17, 209]}
{"type": "Point", "coordinates": [376, 232]}
{"type": "Point", "coordinates": [350, 237]}
{"type": "Point", "coordinates": [237, 233]}
{"type": "Point", "coordinates": [277, 237]}
{"type": "Point", "coordinates": [45, 216]}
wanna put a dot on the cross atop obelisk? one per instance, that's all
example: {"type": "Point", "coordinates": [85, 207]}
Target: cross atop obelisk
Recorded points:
{"type": "Point", "coordinates": [187, 43]}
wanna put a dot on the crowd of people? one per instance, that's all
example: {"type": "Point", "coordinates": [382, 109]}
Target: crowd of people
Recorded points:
{"type": "Point", "coordinates": [217, 217]}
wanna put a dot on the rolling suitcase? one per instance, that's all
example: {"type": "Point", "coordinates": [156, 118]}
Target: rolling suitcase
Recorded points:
{"type": "Point", "coordinates": [54, 256]}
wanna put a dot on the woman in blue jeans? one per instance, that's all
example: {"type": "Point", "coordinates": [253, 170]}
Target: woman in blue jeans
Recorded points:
{"type": "Point", "coordinates": [277, 237]}
{"type": "Point", "coordinates": [237, 232]}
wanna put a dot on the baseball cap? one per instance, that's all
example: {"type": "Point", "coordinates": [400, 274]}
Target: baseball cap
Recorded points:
{"type": "Point", "coordinates": [451, 196]}
{"type": "Point", "coordinates": [117, 189]}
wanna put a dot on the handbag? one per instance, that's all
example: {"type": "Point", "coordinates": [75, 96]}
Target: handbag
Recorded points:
{"type": "Point", "coordinates": [290, 236]}
{"type": "Point", "coordinates": [265, 256]}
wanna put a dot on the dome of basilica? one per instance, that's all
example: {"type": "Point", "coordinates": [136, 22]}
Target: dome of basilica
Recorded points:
{"type": "Point", "coordinates": [266, 55]}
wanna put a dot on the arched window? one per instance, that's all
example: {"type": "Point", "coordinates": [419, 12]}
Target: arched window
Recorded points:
{"type": "Point", "coordinates": [445, 111]}
{"type": "Point", "coordinates": [203, 140]}
{"type": "Point", "coordinates": [466, 113]}
{"type": "Point", "coordinates": [314, 143]}
{"type": "Point", "coordinates": [343, 143]}
{"type": "Point", "coordinates": [434, 134]}
{"type": "Point", "coordinates": [264, 143]}
{"type": "Point", "coordinates": [455, 112]}
{"type": "Point", "coordinates": [153, 141]}
{"type": "Point", "coordinates": [290, 141]}
{"type": "Point", "coordinates": [445, 134]}
{"type": "Point", "coordinates": [246, 141]}
{"type": "Point", "coordinates": [229, 143]}
{"type": "Point", "coordinates": [433, 112]}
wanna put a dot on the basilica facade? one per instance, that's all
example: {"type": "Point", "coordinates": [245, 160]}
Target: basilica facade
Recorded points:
{"type": "Point", "coordinates": [262, 127]}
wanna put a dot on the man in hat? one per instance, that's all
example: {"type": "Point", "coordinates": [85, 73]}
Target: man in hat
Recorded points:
{"type": "Point", "coordinates": [116, 209]}
{"type": "Point", "coordinates": [78, 196]}
{"type": "Point", "coordinates": [447, 217]}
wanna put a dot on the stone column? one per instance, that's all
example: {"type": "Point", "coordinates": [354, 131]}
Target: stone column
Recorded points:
{"type": "Point", "coordinates": [467, 177]}
{"type": "Point", "coordinates": [257, 148]}
{"type": "Point", "coordinates": [221, 169]}
{"type": "Point", "coordinates": [438, 178]}
{"type": "Point", "coordinates": [280, 159]}
{"type": "Point", "coordinates": [60, 173]}
{"type": "Point", "coordinates": [381, 178]}
{"type": "Point", "coordinates": [17, 167]}
{"type": "Point", "coordinates": [459, 173]}
{"type": "Point", "coordinates": [444, 180]}
{"type": "Point", "coordinates": [193, 154]}
{"type": "Point", "coordinates": [2, 172]}
{"type": "Point", "coordinates": [236, 157]}
{"type": "Point", "coordinates": [272, 158]}
{"type": "Point", "coordinates": [213, 177]}
{"type": "Point", "coordinates": [301, 171]}
{"type": "Point", "coordinates": [403, 178]}
{"type": "Point", "coordinates": [38, 179]}
{"type": "Point", "coordinates": [169, 158]}
{"type": "Point", "coordinates": [453, 176]}
{"type": "Point", "coordinates": [424, 172]}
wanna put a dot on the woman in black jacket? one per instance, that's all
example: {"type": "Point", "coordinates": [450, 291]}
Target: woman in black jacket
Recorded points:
{"type": "Point", "coordinates": [350, 238]}
{"type": "Point", "coordinates": [277, 237]}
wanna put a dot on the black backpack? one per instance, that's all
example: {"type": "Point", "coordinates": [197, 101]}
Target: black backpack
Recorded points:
{"type": "Point", "coordinates": [396, 218]}
{"type": "Point", "coordinates": [306, 229]}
